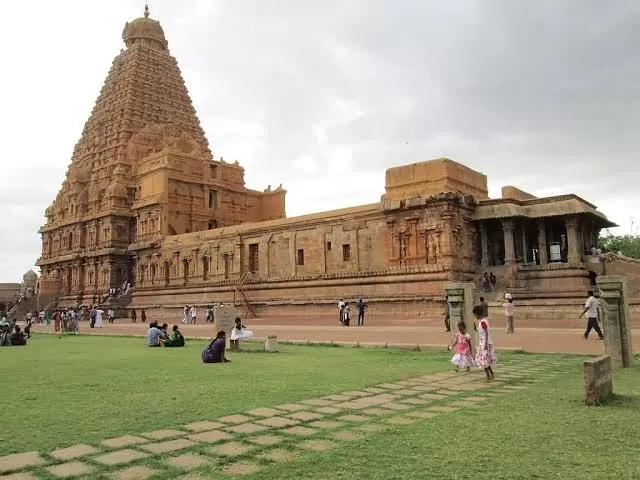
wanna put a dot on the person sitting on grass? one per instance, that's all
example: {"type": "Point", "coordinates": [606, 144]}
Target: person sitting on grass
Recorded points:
{"type": "Point", "coordinates": [175, 339]}
{"type": "Point", "coordinates": [17, 337]}
{"type": "Point", "coordinates": [214, 352]}
{"type": "Point", "coordinates": [155, 336]}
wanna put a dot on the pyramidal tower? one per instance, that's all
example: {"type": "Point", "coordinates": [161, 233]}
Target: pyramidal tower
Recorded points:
{"type": "Point", "coordinates": [142, 170]}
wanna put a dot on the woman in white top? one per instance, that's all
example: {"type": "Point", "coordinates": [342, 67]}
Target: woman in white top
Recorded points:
{"type": "Point", "coordinates": [485, 353]}
{"type": "Point", "coordinates": [99, 314]}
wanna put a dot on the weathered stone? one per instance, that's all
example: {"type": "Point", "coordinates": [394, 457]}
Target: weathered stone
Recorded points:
{"type": "Point", "coordinates": [203, 426]}
{"type": "Point", "coordinates": [246, 428]}
{"type": "Point", "coordinates": [292, 407]}
{"type": "Point", "coordinates": [20, 476]}
{"type": "Point", "coordinates": [305, 416]}
{"type": "Point", "coordinates": [125, 441]}
{"type": "Point", "coordinates": [138, 472]}
{"type": "Point", "coordinates": [318, 402]}
{"type": "Point", "coordinates": [168, 446]}
{"type": "Point", "coordinates": [265, 440]}
{"type": "Point", "coordinates": [598, 381]}
{"type": "Point", "coordinates": [71, 469]}
{"type": "Point", "coordinates": [120, 456]}
{"type": "Point", "coordinates": [212, 436]}
{"type": "Point", "coordinates": [277, 422]}
{"type": "Point", "coordinates": [163, 434]}
{"type": "Point", "coordinates": [187, 461]}
{"type": "Point", "coordinates": [235, 419]}
{"type": "Point", "coordinates": [18, 461]}
{"type": "Point", "coordinates": [329, 410]}
{"type": "Point", "coordinates": [328, 424]}
{"type": "Point", "coordinates": [264, 412]}
{"type": "Point", "coordinates": [74, 451]}
{"type": "Point", "coordinates": [353, 418]}
{"type": "Point", "coordinates": [396, 406]}
{"type": "Point", "coordinates": [300, 431]}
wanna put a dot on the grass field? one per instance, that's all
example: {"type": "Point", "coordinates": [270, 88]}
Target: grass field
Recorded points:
{"type": "Point", "coordinates": [62, 392]}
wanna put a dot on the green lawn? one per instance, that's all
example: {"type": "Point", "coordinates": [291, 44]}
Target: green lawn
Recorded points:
{"type": "Point", "coordinates": [60, 392]}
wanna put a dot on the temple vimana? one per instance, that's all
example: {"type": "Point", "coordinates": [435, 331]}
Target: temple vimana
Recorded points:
{"type": "Point", "coordinates": [147, 209]}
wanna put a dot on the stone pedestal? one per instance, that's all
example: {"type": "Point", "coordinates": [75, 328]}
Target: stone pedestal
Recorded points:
{"type": "Point", "coordinates": [615, 301]}
{"type": "Point", "coordinates": [461, 296]}
{"type": "Point", "coordinates": [271, 344]}
{"type": "Point", "coordinates": [225, 320]}
{"type": "Point", "coordinates": [598, 381]}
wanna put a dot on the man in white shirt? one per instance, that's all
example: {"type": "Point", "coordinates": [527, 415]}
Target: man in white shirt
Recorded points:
{"type": "Point", "coordinates": [340, 309]}
{"type": "Point", "coordinates": [193, 315]}
{"type": "Point", "coordinates": [591, 309]}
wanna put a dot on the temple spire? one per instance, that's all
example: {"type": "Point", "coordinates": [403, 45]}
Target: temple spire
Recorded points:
{"type": "Point", "coordinates": [146, 9]}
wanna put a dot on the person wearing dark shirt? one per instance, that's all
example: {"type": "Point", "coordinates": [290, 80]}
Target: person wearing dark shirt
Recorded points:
{"type": "Point", "coordinates": [485, 308]}
{"type": "Point", "coordinates": [17, 337]}
{"type": "Point", "coordinates": [214, 352]}
{"type": "Point", "coordinates": [361, 306]}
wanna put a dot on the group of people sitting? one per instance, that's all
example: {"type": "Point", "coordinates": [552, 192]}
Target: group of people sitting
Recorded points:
{"type": "Point", "coordinates": [12, 335]}
{"type": "Point", "coordinates": [160, 337]}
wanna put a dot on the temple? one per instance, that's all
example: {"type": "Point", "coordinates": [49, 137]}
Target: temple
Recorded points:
{"type": "Point", "coordinates": [148, 211]}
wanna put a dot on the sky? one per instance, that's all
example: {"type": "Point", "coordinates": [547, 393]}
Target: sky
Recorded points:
{"type": "Point", "coordinates": [323, 96]}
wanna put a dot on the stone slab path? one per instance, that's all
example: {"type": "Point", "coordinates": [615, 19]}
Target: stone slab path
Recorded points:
{"type": "Point", "coordinates": [244, 443]}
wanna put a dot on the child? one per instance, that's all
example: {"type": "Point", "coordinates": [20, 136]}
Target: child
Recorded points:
{"type": "Point", "coordinates": [463, 357]}
{"type": "Point", "coordinates": [485, 354]}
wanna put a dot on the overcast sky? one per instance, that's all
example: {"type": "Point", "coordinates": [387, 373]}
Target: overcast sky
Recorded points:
{"type": "Point", "coordinates": [323, 96]}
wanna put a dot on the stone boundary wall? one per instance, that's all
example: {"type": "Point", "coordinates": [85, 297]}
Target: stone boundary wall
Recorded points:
{"type": "Point", "coordinates": [598, 380]}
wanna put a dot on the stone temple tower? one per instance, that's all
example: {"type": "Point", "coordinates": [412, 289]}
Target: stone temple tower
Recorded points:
{"type": "Point", "coordinates": [141, 170]}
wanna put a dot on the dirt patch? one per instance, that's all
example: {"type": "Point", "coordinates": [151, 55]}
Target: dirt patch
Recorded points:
{"type": "Point", "coordinates": [242, 468]}
{"type": "Point", "coordinates": [74, 451]}
{"type": "Point", "coordinates": [265, 440]}
{"type": "Point", "coordinates": [347, 436]}
{"type": "Point", "coordinates": [279, 455]}
{"type": "Point", "coordinates": [420, 414]}
{"type": "Point", "coordinates": [232, 449]}
{"type": "Point", "coordinates": [300, 431]}
{"type": "Point", "coordinates": [402, 420]}
{"type": "Point", "coordinates": [442, 409]}
{"type": "Point", "coordinates": [317, 445]}
{"type": "Point", "coordinates": [373, 428]}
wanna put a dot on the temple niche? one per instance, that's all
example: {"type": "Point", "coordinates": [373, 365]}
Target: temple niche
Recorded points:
{"type": "Point", "coordinates": [147, 209]}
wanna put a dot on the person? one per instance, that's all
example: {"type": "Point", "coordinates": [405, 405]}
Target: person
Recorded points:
{"type": "Point", "coordinates": [165, 329]}
{"type": "Point", "coordinates": [209, 318]}
{"type": "Point", "coordinates": [175, 338]}
{"type": "Point", "coordinates": [134, 316]}
{"type": "Point", "coordinates": [143, 316]}
{"type": "Point", "coordinates": [509, 311]}
{"type": "Point", "coordinates": [493, 280]}
{"type": "Point", "coordinates": [462, 343]}
{"type": "Point", "coordinates": [239, 332]}
{"type": "Point", "coordinates": [155, 336]}
{"type": "Point", "coordinates": [486, 283]}
{"type": "Point", "coordinates": [346, 315]}
{"type": "Point", "coordinates": [214, 352]}
{"type": "Point", "coordinates": [485, 307]}
{"type": "Point", "coordinates": [111, 315]}
{"type": "Point", "coordinates": [193, 314]}
{"type": "Point", "coordinates": [186, 314]}
{"type": "Point", "coordinates": [361, 306]}
{"type": "Point", "coordinates": [73, 322]}
{"type": "Point", "coordinates": [27, 328]}
{"type": "Point", "coordinates": [591, 309]}
{"type": "Point", "coordinates": [341, 305]}
{"type": "Point", "coordinates": [99, 314]}
{"type": "Point", "coordinates": [92, 317]}
{"type": "Point", "coordinates": [57, 317]}
{"type": "Point", "coordinates": [48, 317]}
{"type": "Point", "coordinates": [485, 353]}
{"type": "Point", "coordinates": [17, 337]}
{"type": "Point", "coordinates": [447, 314]}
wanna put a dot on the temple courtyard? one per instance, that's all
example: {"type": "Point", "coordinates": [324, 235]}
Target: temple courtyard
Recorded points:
{"type": "Point", "coordinates": [107, 407]}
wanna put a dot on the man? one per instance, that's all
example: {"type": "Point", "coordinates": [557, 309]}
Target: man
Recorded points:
{"type": "Point", "coordinates": [361, 306]}
{"type": "Point", "coordinates": [447, 314]}
{"type": "Point", "coordinates": [155, 335]}
{"type": "Point", "coordinates": [591, 309]}
{"type": "Point", "coordinates": [193, 314]}
{"type": "Point", "coordinates": [340, 309]}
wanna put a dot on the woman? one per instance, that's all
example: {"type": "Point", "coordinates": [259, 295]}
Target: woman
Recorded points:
{"type": "Point", "coordinates": [175, 339]}
{"type": "Point", "coordinates": [214, 352]}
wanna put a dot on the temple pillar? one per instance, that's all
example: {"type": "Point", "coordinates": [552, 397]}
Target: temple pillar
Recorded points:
{"type": "Point", "coordinates": [509, 251]}
{"type": "Point", "coordinates": [573, 244]}
{"type": "Point", "coordinates": [616, 322]}
{"type": "Point", "coordinates": [543, 251]}
{"type": "Point", "coordinates": [484, 245]}
{"type": "Point", "coordinates": [525, 246]}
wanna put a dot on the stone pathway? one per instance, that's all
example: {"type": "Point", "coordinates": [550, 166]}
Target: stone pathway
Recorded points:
{"type": "Point", "coordinates": [278, 433]}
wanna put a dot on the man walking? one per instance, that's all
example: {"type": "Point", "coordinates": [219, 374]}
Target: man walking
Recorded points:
{"type": "Point", "coordinates": [361, 306]}
{"type": "Point", "coordinates": [591, 309]}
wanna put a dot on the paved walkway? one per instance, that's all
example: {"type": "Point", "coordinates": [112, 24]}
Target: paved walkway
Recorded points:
{"type": "Point", "coordinates": [239, 444]}
{"type": "Point", "coordinates": [538, 340]}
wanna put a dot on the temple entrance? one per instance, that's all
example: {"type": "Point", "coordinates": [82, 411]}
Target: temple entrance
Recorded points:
{"type": "Point", "coordinates": [557, 234]}
{"type": "Point", "coordinates": [185, 270]}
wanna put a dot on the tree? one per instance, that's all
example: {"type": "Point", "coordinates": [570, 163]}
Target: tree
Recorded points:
{"type": "Point", "coordinates": [629, 245]}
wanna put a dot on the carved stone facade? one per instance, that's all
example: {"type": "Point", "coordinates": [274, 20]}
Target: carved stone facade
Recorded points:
{"type": "Point", "coordinates": [141, 170]}
{"type": "Point", "coordinates": [145, 203]}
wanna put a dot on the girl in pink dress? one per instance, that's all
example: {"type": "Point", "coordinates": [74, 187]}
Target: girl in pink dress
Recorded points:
{"type": "Point", "coordinates": [463, 357]}
{"type": "Point", "coordinates": [485, 354]}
